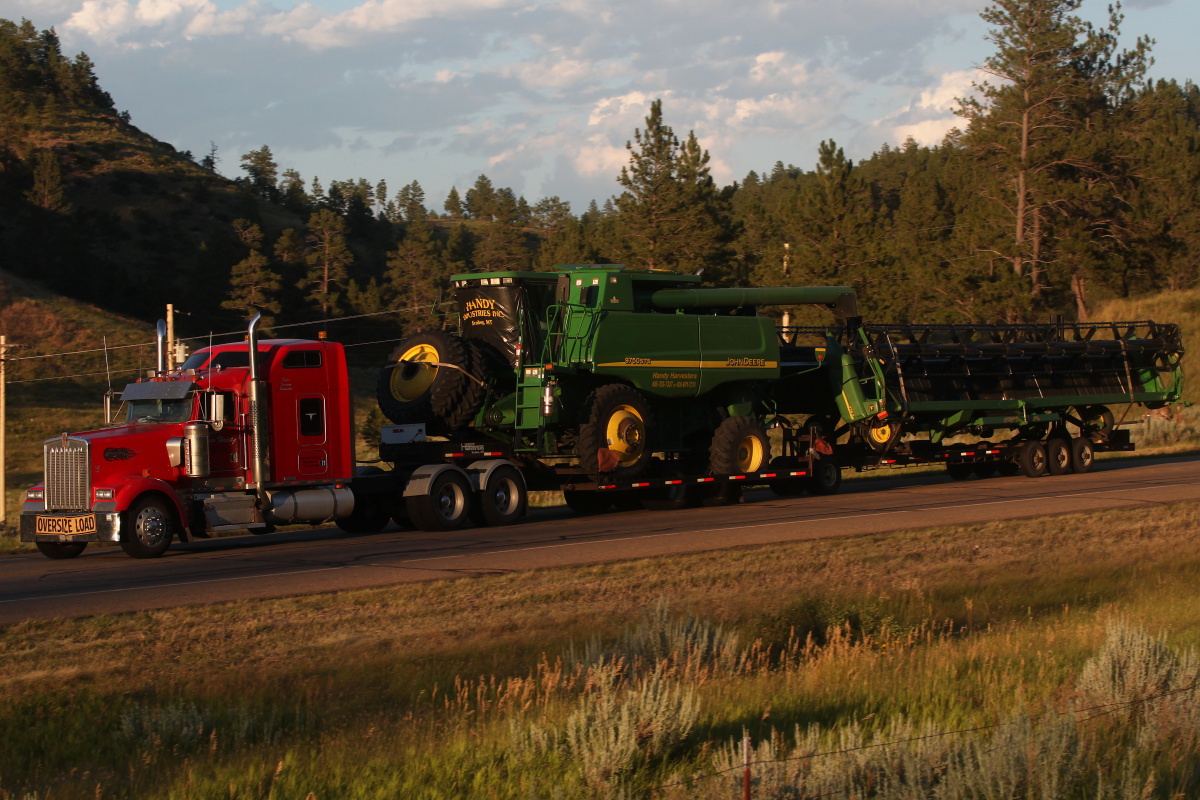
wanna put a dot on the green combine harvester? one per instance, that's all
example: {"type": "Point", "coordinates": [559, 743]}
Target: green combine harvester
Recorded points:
{"type": "Point", "coordinates": [628, 387]}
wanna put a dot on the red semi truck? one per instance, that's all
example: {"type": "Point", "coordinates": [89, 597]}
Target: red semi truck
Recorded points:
{"type": "Point", "coordinates": [229, 442]}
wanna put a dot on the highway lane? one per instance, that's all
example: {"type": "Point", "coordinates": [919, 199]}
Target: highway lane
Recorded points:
{"type": "Point", "coordinates": [104, 580]}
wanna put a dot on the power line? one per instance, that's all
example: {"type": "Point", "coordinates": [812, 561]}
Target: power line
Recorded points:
{"type": "Point", "coordinates": [79, 375]}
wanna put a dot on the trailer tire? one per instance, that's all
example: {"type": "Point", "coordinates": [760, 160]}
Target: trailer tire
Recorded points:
{"type": "Point", "coordinates": [1058, 456]}
{"type": "Point", "coordinates": [613, 432]}
{"type": "Point", "coordinates": [740, 445]}
{"type": "Point", "coordinates": [1083, 455]}
{"type": "Point", "coordinates": [674, 497]}
{"type": "Point", "coordinates": [586, 503]}
{"type": "Point", "coordinates": [148, 528]}
{"type": "Point", "coordinates": [1032, 459]}
{"type": "Point", "coordinates": [60, 551]}
{"type": "Point", "coordinates": [1098, 422]}
{"type": "Point", "coordinates": [959, 471]}
{"type": "Point", "coordinates": [984, 469]}
{"type": "Point", "coordinates": [826, 477]}
{"type": "Point", "coordinates": [445, 506]}
{"type": "Point", "coordinates": [1008, 468]}
{"type": "Point", "coordinates": [502, 500]}
{"type": "Point", "coordinates": [414, 392]}
{"type": "Point", "coordinates": [722, 494]}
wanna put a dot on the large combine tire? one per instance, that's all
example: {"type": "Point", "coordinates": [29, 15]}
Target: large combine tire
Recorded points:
{"type": "Point", "coordinates": [613, 433]}
{"type": "Point", "coordinates": [412, 389]}
{"type": "Point", "coordinates": [1058, 456]}
{"type": "Point", "coordinates": [1098, 422]}
{"type": "Point", "coordinates": [739, 446]}
{"type": "Point", "coordinates": [60, 550]}
{"type": "Point", "coordinates": [148, 528]}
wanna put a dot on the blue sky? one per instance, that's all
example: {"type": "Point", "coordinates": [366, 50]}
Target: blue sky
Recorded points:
{"type": "Point", "coordinates": [542, 95]}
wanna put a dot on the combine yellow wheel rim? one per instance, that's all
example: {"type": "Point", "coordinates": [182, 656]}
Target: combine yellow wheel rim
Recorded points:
{"type": "Point", "coordinates": [626, 434]}
{"type": "Point", "coordinates": [750, 455]}
{"type": "Point", "coordinates": [413, 377]}
{"type": "Point", "coordinates": [881, 434]}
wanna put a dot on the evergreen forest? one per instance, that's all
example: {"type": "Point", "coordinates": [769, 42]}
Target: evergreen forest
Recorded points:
{"type": "Point", "coordinates": [1071, 179]}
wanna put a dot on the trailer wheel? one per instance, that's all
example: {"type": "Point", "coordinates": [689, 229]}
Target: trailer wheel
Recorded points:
{"type": "Point", "coordinates": [586, 503]}
{"type": "Point", "coordinates": [740, 445]}
{"type": "Point", "coordinates": [411, 389]}
{"type": "Point", "coordinates": [613, 432]}
{"type": "Point", "coordinates": [1008, 468]}
{"type": "Point", "coordinates": [1083, 455]}
{"type": "Point", "coordinates": [148, 528]}
{"type": "Point", "coordinates": [1032, 459]}
{"type": "Point", "coordinates": [959, 471]}
{"type": "Point", "coordinates": [984, 469]}
{"type": "Point", "coordinates": [444, 507]}
{"type": "Point", "coordinates": [60, 551]}
{"type": "Point", "coordinates": [722, 494]}
{"type": "Point", "coordinates": [502, 501]}
{"type": "Point", "coordinates": [826, 477]}
{"type": "Point", "coordinates": [1058, 456]}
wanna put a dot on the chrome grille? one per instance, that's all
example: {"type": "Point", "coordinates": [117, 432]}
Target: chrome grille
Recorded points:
{"type": "Point", "coordinates": [68, 487]}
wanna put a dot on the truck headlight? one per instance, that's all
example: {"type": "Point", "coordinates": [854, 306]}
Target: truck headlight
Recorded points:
{"type": "Point", "coordinates": [36, 495]}
{"type": "Point", "coordinates": [105, 494]}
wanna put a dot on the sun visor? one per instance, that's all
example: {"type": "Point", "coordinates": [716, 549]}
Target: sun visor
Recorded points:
{"type": "Point", "coordinates": [157, 390]}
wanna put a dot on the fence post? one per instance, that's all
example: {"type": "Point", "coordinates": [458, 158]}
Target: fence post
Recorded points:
{"type": "Point", "coordinates": [746, 762]}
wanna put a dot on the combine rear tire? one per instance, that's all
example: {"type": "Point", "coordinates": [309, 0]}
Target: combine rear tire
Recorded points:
{"type": "Point", "coordinates": [613, 433]}
{"type": "Point", "coordinates": [1083, 455]}
{"type": "Point", "coordinates": [411, 389]}
{"type": "Point", "coordinates": [59, 550]}
{"type": "Point", "coordinates": [739, 446]}
{"type": "Point", "coordinates": [1058, 456]}
{"type": "Point", "coordinates": [1032, 459]}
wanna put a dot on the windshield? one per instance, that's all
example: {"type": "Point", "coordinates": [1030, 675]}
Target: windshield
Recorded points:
{"type": "Point", "coordinates": [158, 410]}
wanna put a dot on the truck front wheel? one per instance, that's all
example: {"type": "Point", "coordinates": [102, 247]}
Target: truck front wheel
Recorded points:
{"type": "Point", "coordinates": [59, 551]}
{"type": "Point", "coordinates": [148, 529]}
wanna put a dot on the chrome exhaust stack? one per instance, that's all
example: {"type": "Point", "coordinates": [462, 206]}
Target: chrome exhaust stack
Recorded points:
{"type": "Point", "coordinates": [162, 352]}
{"type": "Point", "coordinates": [259, 435]}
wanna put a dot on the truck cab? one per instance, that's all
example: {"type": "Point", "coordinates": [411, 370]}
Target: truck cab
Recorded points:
{"type": "Point", "coordinates": [178, 457]}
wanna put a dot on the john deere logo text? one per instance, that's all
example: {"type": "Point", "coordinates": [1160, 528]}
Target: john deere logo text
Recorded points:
{"type": "Point", "coordinates": [746, 362]}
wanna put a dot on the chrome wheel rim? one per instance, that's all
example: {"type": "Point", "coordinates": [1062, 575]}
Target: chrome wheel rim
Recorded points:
{"type": "Point", "coordinates": [151, 526]}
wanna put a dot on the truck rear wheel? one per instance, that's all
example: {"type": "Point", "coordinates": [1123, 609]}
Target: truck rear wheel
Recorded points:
{"type": "Point", "coordinates": [413, 388]}
{"type": "Point", "coordinates": [446, 505]}
{"type": "Point", "coordinates": [739, 446]}
{"type": "Point", "coordinates": [60, 551]}
{"type": "Point", "coordinates": [148, 528]}
{"type": "Point", "coordinates": [502, 500]}
{"type": "Point", "coordinates": [613, 432]}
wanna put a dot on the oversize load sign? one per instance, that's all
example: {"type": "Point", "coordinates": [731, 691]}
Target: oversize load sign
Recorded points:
{"type": "Point", "coordinates": [67, 525]}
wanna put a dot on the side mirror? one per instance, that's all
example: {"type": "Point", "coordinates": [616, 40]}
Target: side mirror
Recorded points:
{"type": "Point", "coordinates": [218, 411]}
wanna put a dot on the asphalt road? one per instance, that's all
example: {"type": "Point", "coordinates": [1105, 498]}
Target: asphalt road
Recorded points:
{"type": "Point", "coordinates": [104, 580]}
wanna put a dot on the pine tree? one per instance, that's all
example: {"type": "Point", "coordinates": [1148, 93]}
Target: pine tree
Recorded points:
{"type": "Point", "coordinates": [453, 205]}
{"type": "Point", "coordinates": [669, 212]}
{"type": "Point", "coordinates": [47, 192]}
{"type": "Point", "coordinates": [253, 286]}
{"type": "Point", "coordinates": [480, 200]}
{"type": "Point", "coordinates": [327, 256]}
{"type": "Point", "coordinates": [263, 171]}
